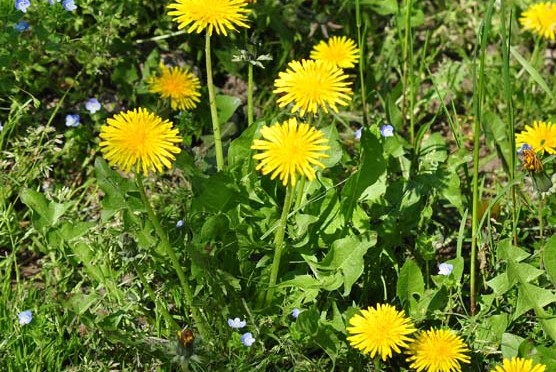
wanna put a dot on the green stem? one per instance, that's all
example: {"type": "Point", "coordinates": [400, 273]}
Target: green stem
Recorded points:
{"type": "Point", "coordinates": [169, 320]}
{"type": "Point", "coordinates": [361, 44]}
{"type": "Point", "coordinates": [377, 363]}
{"type": "Point", "coordinates": [279, 244]}
{"type": "Point", "coordinates": [174, 259]}
{"type": "Point", "coordinates": [249, 94]}
{"type": "Point", "coordinates": [300, 194]}
{"type": "Point", "coordinates": [213, 111]}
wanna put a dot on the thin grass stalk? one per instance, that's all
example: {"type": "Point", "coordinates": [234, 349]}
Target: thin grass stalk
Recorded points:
{"type": "Point", "coordinates": [199, 322]}
{"type": "Point", "coordinates": [407, 74]}
{"type": "Point", "coordinates": [250, 108]}
{"type": "Point", "coordinates": [169, 320]}
{"type": "Point", "coordinates": [506, 42]}
{"type": "Point", "coordinates": [279, 243]}
{"type": "Point", "coordinates": [213, 111]}
{"type": "Point", "coordinates": [361, 44]}
{"type": "Point", "coordinates": [478, 97]}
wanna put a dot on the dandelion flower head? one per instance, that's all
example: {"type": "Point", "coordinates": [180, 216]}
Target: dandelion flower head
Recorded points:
{"type": "Point", "coordinates": [519, 365]}
{"type": "Point", "coordinates": [541, 136]}
{"type": "Point", "coordinates": [381, 330]}
{"type": "Point", "coordinates": [310, 84]}
{"type": "Point", "coordinates": [290, 149]}
{"type": "Point", "coordinates": [540, 19]}
{"type": "Point", "coordinates": [179, 85]}
{"type": "Point", "coordinates": [438, 350]}
{"type": "Point", "coordinates": [340, 51]}
{"type": "Point", "coordinates": [139, 140]}
{"type": "Point", "coordinates": [218, 15]}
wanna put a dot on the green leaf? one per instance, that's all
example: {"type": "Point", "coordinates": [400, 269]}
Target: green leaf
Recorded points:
{"type": "Point", "coordinates": [410, 282]}
{"type": "Point", "coordinates": [510, 345]}
{"type": "Point", "coordinates": [549, 258]}
{"type": "Point", "coordinates": [226, 106]}
{"type": "Point", "coordinates": [346, 256]}
{"type": "Point", "coordinates": [335, 152]}
{"type": "Point", "coordinates": [535, 75]}
{"type": "Point", "coordinates": [532, 297]}
{"type": "Point", "coordinates": [373, 165]}
{"type": "Point", "coordinates": [240, 153]}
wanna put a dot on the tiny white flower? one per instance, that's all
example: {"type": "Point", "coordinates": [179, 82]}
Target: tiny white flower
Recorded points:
{"type": "Point", "coordinates": [236, 323]}
{"type": "Point", "coordinates": [25, 317]}
{"type": "Point", "coordinates": [445, 269]}
{"type": "Point", "coordinates": [357, 134]}
{"type": "Point", "coordinates": [247, 339]}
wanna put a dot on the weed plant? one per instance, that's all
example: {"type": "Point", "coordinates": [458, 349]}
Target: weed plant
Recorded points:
{"type": "Point", "coordinates": [267, 185]}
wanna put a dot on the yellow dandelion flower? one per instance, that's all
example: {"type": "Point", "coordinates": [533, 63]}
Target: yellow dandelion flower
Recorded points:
{"type": "Point", "coordinates": [340, 51]}
{"type": "Point", "coordinates": [290, 149]}
{"type": "Point", "coordinates": [540, 19]}
{"type": "Point", "coordinates": [438, 350]}
{"type": "Point", "coordinates": [218, 15]}
{"type": "Point", "coordinates": [139, 140]}
{"type": "Point", "coordinates": [541, 137]}
{"type": "Point", "coordinates": [381, 330]}
{"type": "Point", "coordinates": [312, 84]}
{"type": "Point", "coordinates": [179, 85]}
{"type": "Point", "coordinates": [519, 365]}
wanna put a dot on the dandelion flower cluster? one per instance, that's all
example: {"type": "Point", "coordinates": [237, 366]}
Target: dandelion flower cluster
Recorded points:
{"type": "Point", "coordinates": [218, 15]}
{"type": "Point", "coordinates": [381, 330]}
{"type": "Point", "coordinates": [310, 84]}
{"type": "Point", "coordinates": [438, 350]}
{"type": "Point", "coordinates": [290, 149]}
{"type": "Point", "coordinates": [519, 365]}
{"type": "Point", "coordinates": [139, 140]}
{"type": "Point", "coordinates": [540, 19]}
{"type": "Point", "coordinates": [541, 136]}
{"type": "Point", "coordinates": [340, 51]}
{"type": "Point", "coordinates": [179, 85]}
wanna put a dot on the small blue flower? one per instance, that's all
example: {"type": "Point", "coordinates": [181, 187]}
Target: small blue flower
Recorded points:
{"type": "Point", "coordinates": [72, 120]}
{"type": "Point", "coordinates": [357, 134]}
{"type": "Point", "coordinates": [25, 317]}
{"type": "Point", "coordinates": [69, 5]}
{"type": "Point", "coordinates": [52, 2]}
{"type": "Point", "coordinates": [21, 26]}
{"type": "Point", "coordinates": [247, 339]}
{"type": "Point", "coordinates": [180, 224]}
{"type": "Point", "coordinates": [387, 130]}
{"type": "Point", "coordinates": [524, 147]}
{"type": "Point", "coordinates": [92, 105]}
{"type": "Point", "coordinates": [22, 5]}
{"type": "Point", "coordinates": [295, 312]}
{"type": "Point", "coordinates": [445, 269]}
{"type": "Point", "coordinates": [237, 323]}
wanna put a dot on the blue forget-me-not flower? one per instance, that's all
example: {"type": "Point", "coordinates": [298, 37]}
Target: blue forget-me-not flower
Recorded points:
{"type": "Point", "coordinates": [236, 323]}
{"type": "Point", "coordinates": [247, 339]}
{"type": "Point", "coordinates": [69, 5]}
{"type": "Point", "coordinates": [72, 120]}
{"type": "Point", "coordinates": [387, 130]}
{"type": "Point", "coordinates": [21, 26]}
{"type": "Point", "coordinates": [92, 105]}
{"type": "Point", "coordinates": [25, 317]}
{"type": "Point", "coordinates": [22, 5]}
{"type": "Point", "coordinates": [445, 269]}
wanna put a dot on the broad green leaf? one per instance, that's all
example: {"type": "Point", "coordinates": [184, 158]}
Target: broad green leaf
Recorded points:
{"type": "Point", "coordinates": [240, 153]}
{"type": "Point", "coordinates": [346, 256]}
{"type": "Point", "coordinates": [500, 284]}
{"type": "Point", "coordinates": [532, 297]}
{"type": "Point", "coordinates": [226, 106]}
{"type": "Point", "coordinates": [38, 203]}
{"type": "Point", "coordinates": [549, 258]}
{"type": "Point", "coordinates": [335, 152]}
{"type": "Point", "coordinates": [373, 165]}
{"type": "Point", "coordinates": [510, 345]}
{"type": "Point", "coordinates": [410, 281]}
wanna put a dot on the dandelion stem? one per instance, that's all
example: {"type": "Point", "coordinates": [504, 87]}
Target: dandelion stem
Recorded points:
{"type": "Point", "coordinates": [203, 330]}
{"type": "Point", "coordinates": [361, 45]}
{"type": "Point", "coordinates": [300, 194]}
{"type": "Point", "coordinates": [213, 111]}
{"type": "Point", "coordinates": [249, 94]}
{"type": "Point", "coordinates": [279, 243]}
